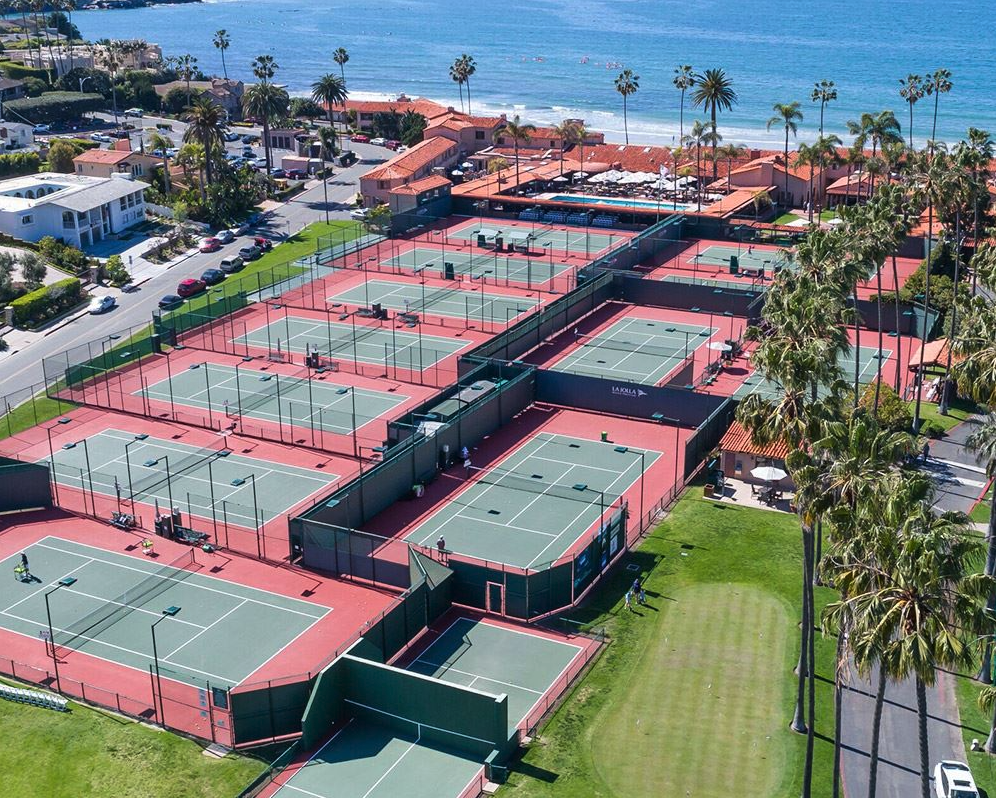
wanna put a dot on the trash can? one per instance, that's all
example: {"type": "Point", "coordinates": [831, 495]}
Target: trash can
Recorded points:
{"type": "Point", "coordinates": [734, 264]}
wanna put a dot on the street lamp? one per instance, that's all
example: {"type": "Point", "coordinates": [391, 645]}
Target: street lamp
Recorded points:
{"type": "Point", "coordinates": [238, 482]}
{"type": "Point", "coordinates": [51, 457]}
{"type": "Point", "coordinates": [66, 581]}
{"type": "Point", "coordinates": [84, 80]}
{"type": "Point", "coordinates": [169, 612]}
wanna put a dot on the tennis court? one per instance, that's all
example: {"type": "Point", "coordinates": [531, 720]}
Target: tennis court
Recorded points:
{"type": "Point", "coordinates": [381, 346]}
{"type": "Point", "coordinates": [748, 257]}
{"type": "Point", "coordinates": [378, 755]}
{"type": "Point", "coordinates": [533, 505]}
{"type": "Point", "coordinates": [268, 396]}
{"type": "Point", "coordinates": [868, 369]}
{"type": "Point", "coordinates": [168, 472]}
{"type": "Point", "coordinates": [222, 633]}
{"type": "Point", "coordinates": [454, 303]}
{"type": "Point", "coordinates": [482, 264]}
{"type": "Point", "coordinates": [635, 349]}
{"type": "Point", "coordinates": [580, 240]}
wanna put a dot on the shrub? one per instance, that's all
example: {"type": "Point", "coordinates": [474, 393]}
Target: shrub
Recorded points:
{"type": "Point", "coordinates": [63, 256]}
{"type": "Point", "coordinates": [33, 270]}
{"type": "Point", "coordinates": [55, 106]}
{"type": "Point", "coordinates": [60, 157]}
{"type": "Point", "coordinates": [116, 271]}
{"type": "Point", "coordinates": [47, 301]}
{"type": "Point", "coordinates": [16, 71]}
{"type": "Point", "coordinates": [893, 413]}
{"type": "Point", "coordinates": [932, 428]}
{"type": "Point", "coordinates": [23, 162]}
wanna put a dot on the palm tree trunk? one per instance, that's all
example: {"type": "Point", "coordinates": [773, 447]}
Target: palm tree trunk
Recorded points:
{"type": "Point", "coordinates": [921, 717]}
{"type": "Point", "coordinates": [811, 201]}
{"type": "Point", "coordinates": [786, 165]}
{"type": "Point", "coordinates": [943, 409]}
{"type": "Point", "coordinates": [838, 709]}
{"type": "Point", "coordinates": [991, 739]}
{"type": "Point", "coordinates": [923, 332]}
{"type": "Point", "coordinates": [515, 149]}
{"type": "Point", "coordinates": [799, 718]}
{"type": "Point", "coordinates": [895, 283]}
{"type": "Point", "coordinates": [468, 95]}
{"type": "Point", "coordinates": [911, 126]}
{"type": "Point", "coordinates": [681, 119]}
{"type": "Point", "coordinates": [933, 128]}
{"type": "Point", "coordinates": [625, 120]}
{"type": "Point", "coordinates": [807, 777]}
{"type": "Point", "coordinates": [985, 671]}
{"type": "Point", "coordinates": [206, 142]}
{"type": "Point", "coordinates": [266, 143]}
{"type": "Point", "coordinates": [166, 173]}
{"type": "Point", "coordinates": [876, 732]}
{"type": "Point", "coordinates": [878, 310]}
{"type": "Point", "coordinates": [857, 342]}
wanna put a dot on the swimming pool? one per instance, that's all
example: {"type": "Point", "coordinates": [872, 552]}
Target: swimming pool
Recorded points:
{"type": "Point", "coordinates": [575, 199]}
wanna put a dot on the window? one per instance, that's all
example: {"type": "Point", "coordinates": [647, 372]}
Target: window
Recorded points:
{"type": "Point", "coordinates": [69, 220]}
{"type": "Point", "coordinates": [29, 219]}
{"type": "Point", "coordinates": [29, 194]}
{"type": "Point", "coordinates": [479, 135]}
{"type": "Point", "coordinates": [124, 203]}
{"type": "Point", "coordinates": [131, 200]}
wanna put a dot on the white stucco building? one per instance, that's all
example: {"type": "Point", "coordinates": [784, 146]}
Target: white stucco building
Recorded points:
{"type": "Point", "coordinates": [78, 209]}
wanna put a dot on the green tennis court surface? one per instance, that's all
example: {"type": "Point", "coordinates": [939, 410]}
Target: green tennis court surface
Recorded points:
{"type": "Point", "coordinates": [719, 255]}
{"type": "Point", "coordinates": [636, 350]}
{"type": "Point", "coordinates": [534, 504]}
{"type": "Point", "coordinates": [741, 282]}
{"type": "Point", "coordinates": [223, 633]}
{"type": "Point", "coordinates": [158, 470]}
{"type": "Point", "coordinates": [453, 302]}
{"type": "Point", "coordinates": [581, 240]}
{"type": "Point", "coordinates": [868, 369]}
{"type": "Point", "coordinates": [381, 346]}
{"type": "Point", "coordinates": [370, 759]}
{"type": "Point", "coordinates": [268, 396]}
{"type": "Point", "coordinates": [479, 264]}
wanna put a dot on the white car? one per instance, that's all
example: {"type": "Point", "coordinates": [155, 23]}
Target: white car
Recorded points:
{"type": "Point", "coordinates": [135, 112]}
{"type": "Point", "coordinates": [954, 780]}
{"type": "Point", "coordinates": [360, 214]}
{"type": "Point", "coordinates": [225, 236]}
{"type": "Point", "coordinates": [101, 137]}
{"type": "Point", "coordinates": [99, 304]}
{"type": "Point", "coordinates": [259, 163]}
{"type": "Point", "coordinates": [378, 141]}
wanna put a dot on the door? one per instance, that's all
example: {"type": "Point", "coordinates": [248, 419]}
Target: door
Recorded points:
{"type": "Point", "coordinates": [495, 598]}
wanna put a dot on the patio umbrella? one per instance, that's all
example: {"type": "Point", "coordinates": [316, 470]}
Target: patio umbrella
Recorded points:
{"type": "Point", "coordinates": [719, 346]}
{"type": "Point", "coordinates": [768, 473]}
{"type": "Point", "coordinates": [466, 165]}
{"type": "Point", "coordinates": [560, 179]}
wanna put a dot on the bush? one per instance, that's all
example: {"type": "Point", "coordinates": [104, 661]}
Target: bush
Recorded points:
{"type": "Point", "coordinates": [60, 157]}
{"type": "Point", "coordinates": [16, 71]}
{"type": "Point", "coordinates": [55, 106]}
{"type": "Point", "coordinates": [23, 162]}
{"type": "Point", "coordinates": [116, 271]}
{"type": "Point", "coordinates": [47, 301]}
{"type": "Point", "coordinates": [893, 413]}
{"type": "Point", "coordinates": [63, 256]}
{"type": "Point", "coordinates": [931, 428]}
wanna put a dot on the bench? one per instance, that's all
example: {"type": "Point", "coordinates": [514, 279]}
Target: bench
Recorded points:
{"type": "Point", "coordinates": [34, 698]}
{"type": "Point", "coordinates": [184, 534]}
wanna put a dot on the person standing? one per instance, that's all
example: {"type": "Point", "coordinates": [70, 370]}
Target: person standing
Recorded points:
{"type": "Point", "coordinates": [629, 600]}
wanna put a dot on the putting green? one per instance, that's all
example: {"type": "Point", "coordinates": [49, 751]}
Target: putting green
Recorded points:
{"type": "Point", "coordinates": [703, 711]}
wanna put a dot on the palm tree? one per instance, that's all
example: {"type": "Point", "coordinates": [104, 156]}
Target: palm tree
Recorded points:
{"type": "Point", "coordinates": [911, 89]}
{"type": "Point", "coordinates": [112, 60]}
{"type": "Point", "coordinates": [186, 68]}
{"type": "Point", "coordinates": [204, 123]}
{"type": "Point", "coordinates": [789, 116]}
{"type": "Point", "coordinates": [264, 101]}
{"type": "Point", "coordinates": [157, 141]}
{"type": "Point", "coordinates": [714, 91]}
{"type": "Point", "coordinates": [696, 138]}
{"type": "Point", "coordinates": [223, 41]}
{"type": "Point", "coordinates": [468, 66]}
{"type": "Point", "coordinates": [457, 76]}
{"type": "Point", "coordinates": [937, 84]}
{"type": "Point", "coordinates": [565, 132]}
{"type": "Point", "coordinates": [519, 134]}
{"type": "Point", "coordinates": [341, 56]}
{"type": "Point", "coordinates": [823, 92]}
{"type": "Point", "coordinates": [626, 84]}
{"type": "Point", "coordinates": [329, 90]}
{"type": "Point", "coordinates": [982, 443]}
{"type": "Point", "coordinates": [825, 148]}
{"type": "Point", "coordinates": [683, 80]}
{"type": "Point", "coordinates": [730, 153]}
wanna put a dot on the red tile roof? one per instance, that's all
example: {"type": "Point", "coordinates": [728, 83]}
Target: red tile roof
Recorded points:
{"type": "Point", "coordinates": [406, 164]}
{"type": "Point", "coordinates": [102, 156]}
{"type": "Point", "coordinates": [419, 105]}
{"type": "Point", "coordinates": [425, 184]}
{"type": "Point", "coordinates": [738, 439]}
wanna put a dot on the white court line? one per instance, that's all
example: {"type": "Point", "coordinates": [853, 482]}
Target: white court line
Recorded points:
{"type": "Point", "coordinates": [52, 584]}
{"type": "Point", "coordinates": [396, 763]}
{"type": "Point", "coordinates": [289, 786]}
{"type": "Point", "coordinates": [459, 514]}
{"type": "Point", "coordinates": [203, 630]}
{"type": "Point", "coordinates": [104, 600]}
{"type": "Point", "coordinates": [194, 584]}
{"type": "Point", "coordinates": [447, 669]}
{"type": "Point", "coordinates": [312, 758]}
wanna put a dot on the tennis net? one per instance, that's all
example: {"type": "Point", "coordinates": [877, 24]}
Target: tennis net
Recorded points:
{"type": "Point", "coordinates": [424, 733]}
{"type": "Point", "coordinates": [537, 483]}
{"type": "Point", "coordinates": [172, 468]}
{"type": "Point", "coordinates": [679, 350]}
{"type": "Point", "coordinates": [105, 616]}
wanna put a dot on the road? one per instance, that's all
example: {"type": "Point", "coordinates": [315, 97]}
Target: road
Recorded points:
{"type": "Point", "coordinates": [23, 368]}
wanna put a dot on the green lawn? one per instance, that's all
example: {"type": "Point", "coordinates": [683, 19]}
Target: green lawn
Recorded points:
{"type": "Point", "coordinates": [695, 692]}
{"type": "Point", "coordinates": [975, 725]}
{"type": "Point", "coordinates": [960, 410]}
{"type": "Point", "coordinates": [90, 754]}
{"type": "Point", "coordinates": [786, 218]}
{"type": "Point", "coordinates": [980, 513]}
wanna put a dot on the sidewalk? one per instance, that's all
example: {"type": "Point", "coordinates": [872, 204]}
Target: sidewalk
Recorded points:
{"type": "Point", "coordinates": [959, 477]}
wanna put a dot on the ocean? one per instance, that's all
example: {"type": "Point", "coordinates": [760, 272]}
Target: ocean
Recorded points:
{"type": "Point", "coordinates": [548, 60]}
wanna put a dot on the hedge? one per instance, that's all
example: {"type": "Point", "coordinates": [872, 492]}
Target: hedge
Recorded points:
{"type": "Point", "coordinates": [17, 71]}
{"type": "Point", "coordinates": [14, 164]}
{"type": "Point", "coordinates": [54, 106]}
{"type": "Point", "coordinates": [47, 301]}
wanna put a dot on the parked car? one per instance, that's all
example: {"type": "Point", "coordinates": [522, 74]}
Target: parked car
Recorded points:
{"type": "Point", "coordinates": [248, 152]}
{"type": "Point", "coordinates": [954, 780]}
{"type": "Point", "coordinates": [120, 134]}
{"type": "Point", "coordinates": [360, 214]}
{"type": "Point", "coordinates": [241, 229]}
{"type": "Point", "coordinates": [380, 142]}
{"type": "Point", "coordinates": [101, 137]}
{"type": "Point", "coordinates": [347, 158]}
{"type": "Point", "coordinates": [231, 264]}
{"type": "Point", "coordinates": [278, 173]}
{"type": "Point", "coordinates": [264, 244]}
{"type": "Point", "coordinates": [170, 301]}
{"type": "Point", "coordinates": [231, 135]}
{"type": "Point", "coordinates": [212, 276]}
{"type": "Point", "coordinates": [100, 304]}
{"type": "Point", "coordinates": [250, 252]}
{"type": "Point", "coordinates": [135, 112]}
{"type": "Point", "coordinates": [259, 163]}
{"type": "Point", "coordinates": [249, 138]}
{"type": "Point", "coordinates": [391, 144]}
{"type": "Point", "coordinates": [172, 152]}
{"type": "Point", "coordinates": [189, 287]}
{"type": "Point", "coordinates": [297, 174]}
{"type": "Point", "coordinates": [225, 236]}
{"type": "Point", "coordinates": [360, 138]}
{"type": "Point", "coordinates": [209, 245]}
{"type": "Point", "coordinates": [41, 129]}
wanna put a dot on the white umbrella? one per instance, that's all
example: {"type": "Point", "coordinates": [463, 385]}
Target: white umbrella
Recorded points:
{"type": "Point", "coordinates": [456, 173]}
{"type": "Point", "coordinates": [719, 346]}
{"type": "Point", "coordinates": [768, 473]}
{"type": "Point", "coordinates": [466, 165]}
{"type": "Point", "coordinates": [560, 179]}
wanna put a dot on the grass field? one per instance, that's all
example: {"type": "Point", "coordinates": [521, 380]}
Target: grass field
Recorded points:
{"type": "Point", "coordinates": [975, 725]}
{"type": "Point", "coordinates": [90, 754]}
{"type": "Point", "coordinates": [980, 513]}
{"type": "Point", "coordinates": [695, 693]}
{"type": "Point", "coordinates": [959, 411]}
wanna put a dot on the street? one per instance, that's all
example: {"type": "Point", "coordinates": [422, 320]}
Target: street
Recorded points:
{"type": "Point", "coordinates": [22, 368]}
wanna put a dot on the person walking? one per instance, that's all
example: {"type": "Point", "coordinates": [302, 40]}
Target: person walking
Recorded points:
{"type": "Point", "coordinates": [629, 600]}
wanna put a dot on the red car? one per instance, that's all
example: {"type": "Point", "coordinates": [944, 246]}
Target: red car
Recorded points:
{"type": "Point", "coordinates": [264, 244]}
{"type": "Point", "coordinates": [189, 287]}
{"type": "Point", "coordinates": [360, 138]}
{"type": "Point", "coordinates": [209, 245]}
